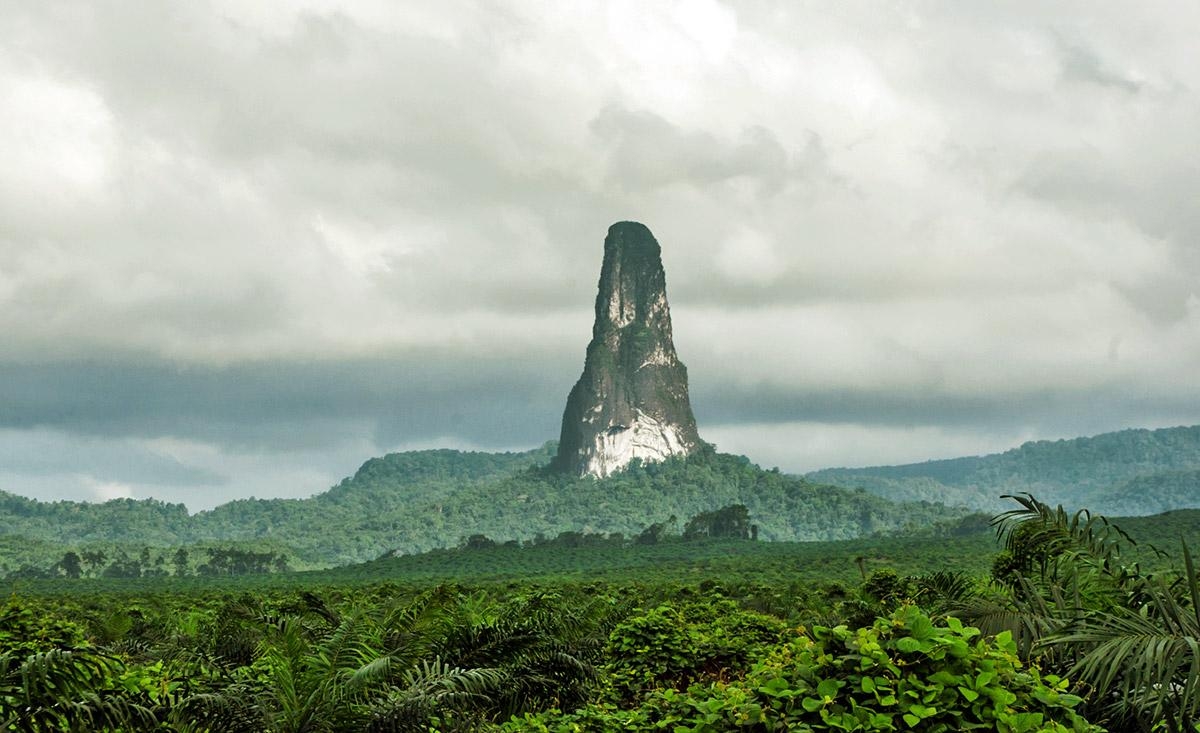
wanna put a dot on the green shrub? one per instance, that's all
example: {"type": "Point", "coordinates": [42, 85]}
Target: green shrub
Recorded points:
{"type": "Point", "coordinates": [906, 672]}
{"type": "Point", "coordinates": [25, 629]}
{"type": "Point", "coordinates": [902, 673]}
{"type": "Point", "coordinates": [671, 646]}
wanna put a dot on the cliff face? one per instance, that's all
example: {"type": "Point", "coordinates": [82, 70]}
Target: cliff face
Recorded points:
{"type": "Point", "coordinates": [632, 399]}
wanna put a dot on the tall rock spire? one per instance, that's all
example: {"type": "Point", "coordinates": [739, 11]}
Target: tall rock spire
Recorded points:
{"type": "Point", "coordinates": [632, 399]}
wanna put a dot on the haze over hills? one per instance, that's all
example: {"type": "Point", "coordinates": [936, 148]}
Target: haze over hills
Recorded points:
{"type": "Point", "coordinates": [1129, 472]}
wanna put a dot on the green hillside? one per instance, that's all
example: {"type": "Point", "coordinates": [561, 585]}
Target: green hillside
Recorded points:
{"type": "Point", "coordinates": [152, 521]}
{"type": "Point", "coordinates": [418, 501]}
{"type": "Point", "coordinates": [1126, 472]}
{"type": "Point", "coordinates": [1153, 494]}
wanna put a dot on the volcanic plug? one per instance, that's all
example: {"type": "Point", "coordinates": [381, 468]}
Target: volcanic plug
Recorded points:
{"type": "Point", "coordinates": [632, 399]}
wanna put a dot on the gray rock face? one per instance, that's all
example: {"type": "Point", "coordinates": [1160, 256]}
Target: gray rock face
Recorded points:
{"type": "Point", "coordinates": [632, 399]}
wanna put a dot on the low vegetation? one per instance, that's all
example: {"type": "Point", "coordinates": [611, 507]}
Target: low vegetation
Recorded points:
{"type": "Point", "coordinates": [1060, 628]}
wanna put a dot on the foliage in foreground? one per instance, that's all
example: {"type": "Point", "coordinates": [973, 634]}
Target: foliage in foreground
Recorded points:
{"type": "Point", "coordinates": [1068, 602]}
{"type": "Point", "coordinates": [620, 657]}
{"type": "Point", "coordinates": [904, 672]}
{"type": "Point", "coordinates": [299, 664]}
{"type": "Point", "coordinates": [1130, 637]}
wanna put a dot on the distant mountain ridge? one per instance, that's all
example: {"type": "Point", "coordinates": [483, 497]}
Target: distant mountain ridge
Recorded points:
{"type": "Point", "coordinates": [1128, 472]}
{"type": "Point", "coordinates": [1153, 494]}
{"type": "Point", "coordinates": [327, 529]}
{"type": "Point", "coordinates": [421, 500]}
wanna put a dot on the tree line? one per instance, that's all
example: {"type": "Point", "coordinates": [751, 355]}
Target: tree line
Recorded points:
{"type": "Point", "coordinates": [156, 563]}
{"type": "Point", "coordinates": [730, 522]}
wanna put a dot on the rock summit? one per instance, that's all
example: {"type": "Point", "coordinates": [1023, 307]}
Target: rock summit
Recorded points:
{"type": "Point", "coordinates": [632, 399]}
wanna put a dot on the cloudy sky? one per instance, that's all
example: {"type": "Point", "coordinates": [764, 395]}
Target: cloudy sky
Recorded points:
{"type": "Point", "coordinates": [246, 246]}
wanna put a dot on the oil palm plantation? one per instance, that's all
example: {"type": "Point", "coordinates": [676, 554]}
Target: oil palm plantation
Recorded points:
{"type": "Point", "coordinates": [440, 659]}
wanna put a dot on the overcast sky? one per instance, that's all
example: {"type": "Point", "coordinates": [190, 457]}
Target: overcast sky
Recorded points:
{"type": "Point", "coordinates": [245, 246]}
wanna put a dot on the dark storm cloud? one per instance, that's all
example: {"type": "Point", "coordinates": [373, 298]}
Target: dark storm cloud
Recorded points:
{"type": "Point", "coordinates": [288, 405]}
{"type": "Point", "coordinates": [39, 453]}
{"type": "Point", "coordinates": [1053, 412]}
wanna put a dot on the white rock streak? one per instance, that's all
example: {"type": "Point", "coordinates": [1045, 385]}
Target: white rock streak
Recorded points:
{"type": "Point", "coordinates": [647, 439]}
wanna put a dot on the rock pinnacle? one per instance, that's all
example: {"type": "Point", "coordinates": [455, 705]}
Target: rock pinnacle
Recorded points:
{"type": "Point", "coordinates": [632, 399]}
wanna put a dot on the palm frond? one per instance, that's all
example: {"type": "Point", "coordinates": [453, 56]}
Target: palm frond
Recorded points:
{"type": "Point", "coordinates": [941, 590]}
{"type": "Point", "coordinates": [375, 671]}
{"type": "Point", "coordinates": [1064, 541]}
{"type": "Point", "coordinates": [234, 709]}
{"type": "Point", "coordinates": [66, 689]}
{"type": "Point", "coordinates": [1143, 657]}
{"type": "Point", "coordinates": [434, 687]}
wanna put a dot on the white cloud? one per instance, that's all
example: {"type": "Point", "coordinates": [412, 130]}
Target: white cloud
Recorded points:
{"type": "Point", "coordinates": [107, 490]}
{"type": "Point", "coordinates": [749, 256]}
{"type": "Point", "coordinates": [60, 138]}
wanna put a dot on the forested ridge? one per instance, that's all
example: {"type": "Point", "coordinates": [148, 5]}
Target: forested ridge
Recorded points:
{"type": "Point", "coordinates": [417, 501]}
{"type": "Point", "coordinates": [1110, 473]}
{"type": "Point", "coordinates": [421, 500]}
{"type": "Point", "coordinates": [1152, 493]}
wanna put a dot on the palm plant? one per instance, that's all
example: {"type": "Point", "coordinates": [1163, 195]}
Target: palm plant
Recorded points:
{"type": "Point", "coordinates": [543, 650]}
{"type": "Point", "coordinates": [64, 689]}
{"type": "Point", "coordinates": [1055, 566]}
{"type": "Point", "coordinates": [941, 590]}
{"type": "Point", "coordinates": [312, 684]}
{"type": "Point", "coordinates": [441, 659]}
{"type": "Point", "coordinates": [316, 670]}
{"type": "Point", "coordinates": [431, 690]}
{"type": "Point", "coordinates": [1129, 638]}
{"type": "Point", "coordinates": [1143, 659]}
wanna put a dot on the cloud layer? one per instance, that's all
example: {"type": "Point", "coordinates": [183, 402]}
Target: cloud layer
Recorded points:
{"type": "Point", "coordinates": [245, 246]}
